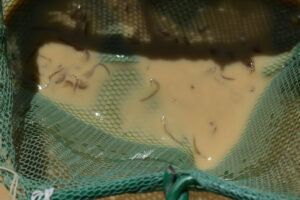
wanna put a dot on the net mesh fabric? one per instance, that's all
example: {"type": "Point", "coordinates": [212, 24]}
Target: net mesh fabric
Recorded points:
{"type": "Point", "coordinates": [57, 145]}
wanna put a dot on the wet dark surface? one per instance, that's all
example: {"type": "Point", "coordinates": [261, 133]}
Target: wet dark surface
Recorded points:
{"type": "Point", "coordinates": [230, 30]}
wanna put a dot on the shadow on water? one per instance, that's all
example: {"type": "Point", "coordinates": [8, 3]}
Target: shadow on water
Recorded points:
{"type": "Point", "coordinates": [234, 32]}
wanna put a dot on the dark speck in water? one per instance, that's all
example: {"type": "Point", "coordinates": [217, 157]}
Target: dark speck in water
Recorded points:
{"type": "Point", "coordinates": [148, 68]}
{"type": "Point", "coordinates": [60, 79]}
{"type": "Point", "coordinates": [222, 67]}
{"type": "Point", "coordinates": [55, 73]}
{"type": "Point", "coordinates": [192, 87]}
{"type": "Point", "coordinates": [156, 90]}
{"type": "Point", "coordinates": [68, 84]}
{"type": "Point", "coordinates": [45, 58]}
{"type": "Point", "coordinates": [169, 133]}
{"type": "Point", "coordinates": [214, 126]}
{"type": "Point", "coordinates": [165, 33]}
{"type": "Point", "coordinates": [186, 41]}
{"type": "Point", "coordinates": [197, 151]}
{"type": "Point", "coordinates": [202, 29]}
{"type": "Point", "coordinates": [213, 52]}
{"type": "Point", "coordinates": [127, 8]}
{"type": "Point", "coordinates": [134, 41]}
{"type": "Point", "coordinates": [86, 28]}
{"type": "Point", "coordinates": [230, 55]}
{"type": "Point", "coordinates": [257, 49]}
{"type": "Point", "coordinates": [227, 78]}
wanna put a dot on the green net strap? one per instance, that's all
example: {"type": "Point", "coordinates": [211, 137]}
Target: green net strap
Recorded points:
{"type": "Point", "coordinates": [134, 184]}
{"type": "Point", "coordinates": [205, 182]}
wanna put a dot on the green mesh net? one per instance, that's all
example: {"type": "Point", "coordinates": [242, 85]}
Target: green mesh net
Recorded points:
{"type": "Point", "coordinates": [58, 146]}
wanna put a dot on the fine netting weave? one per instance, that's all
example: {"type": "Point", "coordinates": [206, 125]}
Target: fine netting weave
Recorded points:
{"type": "Point", "coordinates": [57, 145]}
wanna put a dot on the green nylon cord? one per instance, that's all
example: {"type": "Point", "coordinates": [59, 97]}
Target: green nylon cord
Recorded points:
{"type": "Point", "coordinates": [179, 187]}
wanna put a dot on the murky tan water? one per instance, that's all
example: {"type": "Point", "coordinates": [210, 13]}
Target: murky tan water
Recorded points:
{"type": "Point", "coordinates": [69, 76]}
{"type": "Point", "coordinates": [196, 99]}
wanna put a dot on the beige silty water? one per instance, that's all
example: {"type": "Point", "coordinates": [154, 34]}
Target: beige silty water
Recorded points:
{"type": "Point", "coordinates": [196, 99]}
